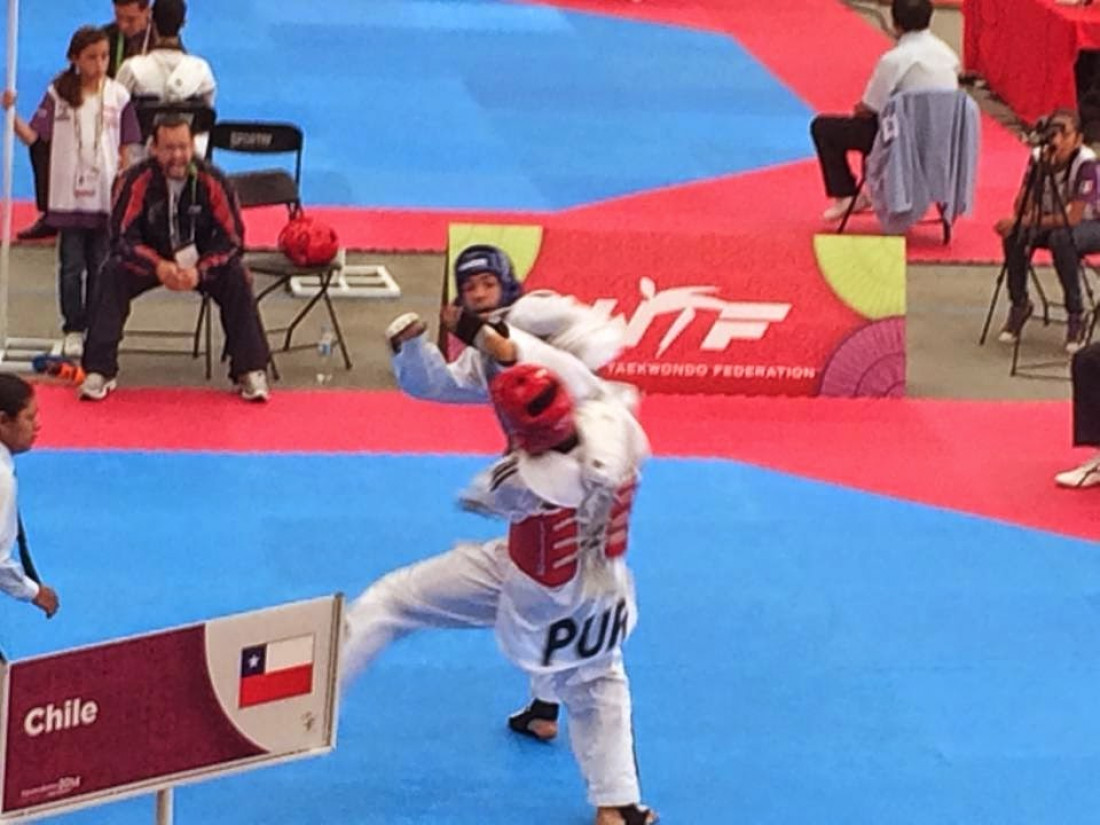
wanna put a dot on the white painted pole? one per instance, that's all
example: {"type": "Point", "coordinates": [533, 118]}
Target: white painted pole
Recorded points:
{"type": "Point", "coordinates": [164, 807]}
{"type": "Point", "coordinates": [9, 161]}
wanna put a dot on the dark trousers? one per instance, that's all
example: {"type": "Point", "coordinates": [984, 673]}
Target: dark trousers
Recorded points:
{"type": "Point", "coordinates": [1086, 396]}
{"type": "Point", "coordinates": [835, 136]}
{"type": "Point", "coordinates": [1066, 248]}
{"type": "Point", "coordinates": [230, 287]}
{"type": "Point", "coordinates": [1086, 73]}
{"type": "Point", "coordinates": [40, 166]}
{"type": "Point", "coordinates": [81, 254]}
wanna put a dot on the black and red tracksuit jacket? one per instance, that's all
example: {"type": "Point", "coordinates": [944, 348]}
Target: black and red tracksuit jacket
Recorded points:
{"type": "Point", "coordinates": [208, 214]}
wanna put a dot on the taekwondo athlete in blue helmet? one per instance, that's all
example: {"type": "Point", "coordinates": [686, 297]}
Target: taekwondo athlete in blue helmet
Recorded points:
{"type": "Point", "coordinates": [543, 328]}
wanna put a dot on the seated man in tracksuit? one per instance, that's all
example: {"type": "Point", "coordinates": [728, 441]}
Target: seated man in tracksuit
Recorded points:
{"type": "Point", "coordinates": [176, 223]}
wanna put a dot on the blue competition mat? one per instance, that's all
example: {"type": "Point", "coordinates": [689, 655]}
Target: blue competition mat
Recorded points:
{"type": "Point", "coordinates": [481, 104]}
{"type": "Point", "coordinates": [805, 654]}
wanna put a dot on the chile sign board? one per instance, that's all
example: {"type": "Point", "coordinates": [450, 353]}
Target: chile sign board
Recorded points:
{"type": "Point", "coordinates": [142, 714]}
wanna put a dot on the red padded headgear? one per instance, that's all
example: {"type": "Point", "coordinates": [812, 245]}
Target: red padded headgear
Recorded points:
{"type": "Point", "coordinates": [308, 242]}
{"type": "Point", "coordinates": [534, 407]}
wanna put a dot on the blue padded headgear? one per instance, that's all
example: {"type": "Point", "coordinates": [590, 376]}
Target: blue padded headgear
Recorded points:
{"type": "Point", "coordinates": [485, 258]}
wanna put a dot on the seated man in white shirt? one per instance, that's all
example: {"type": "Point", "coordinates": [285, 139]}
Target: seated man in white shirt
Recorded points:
{"type": "Point", "coordinates": [920, 60]}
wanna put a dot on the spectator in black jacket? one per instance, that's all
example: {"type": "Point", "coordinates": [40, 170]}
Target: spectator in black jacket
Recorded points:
{"type": "Point", "coordinates": [175, 222]}
{"type": "Point", "coordinates": [131, 34]}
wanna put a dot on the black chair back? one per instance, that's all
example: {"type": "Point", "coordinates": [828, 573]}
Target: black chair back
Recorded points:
{"type": "Point", "coordinates": [260, 138]}
{"type": "Point", "coordinates": [201, 117]}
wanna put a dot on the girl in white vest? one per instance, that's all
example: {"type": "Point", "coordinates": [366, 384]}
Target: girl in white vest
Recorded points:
{"type": "Point", "coordinates": [87, 119]}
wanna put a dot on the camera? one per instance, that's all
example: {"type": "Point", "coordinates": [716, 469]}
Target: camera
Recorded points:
{"type": "Point", "coordinates": [1043, 131]}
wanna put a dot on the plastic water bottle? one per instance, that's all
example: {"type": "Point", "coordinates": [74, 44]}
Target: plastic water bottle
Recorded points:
{"type": "Point", "coordinates": [325, 346]}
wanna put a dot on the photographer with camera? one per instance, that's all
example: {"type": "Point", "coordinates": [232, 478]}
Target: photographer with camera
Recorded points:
{"type": "Point", "coordinates": [1057, 209]}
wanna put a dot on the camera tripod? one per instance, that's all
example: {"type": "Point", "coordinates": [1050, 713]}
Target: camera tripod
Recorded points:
{"type": "Point", "coordinates": [1039, 180]}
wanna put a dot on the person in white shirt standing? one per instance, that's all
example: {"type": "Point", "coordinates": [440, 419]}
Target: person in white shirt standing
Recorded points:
{"type": "Point", "coordinates": [920, 60]}
{"type": "Point", "coordinates": [88, 120]}
{"type": "Point", "coordinates": [167, 73]}
{"type": "Point", "coordinates": [557, 589]}
{"type": "Point", "coordinates": [19, 427]}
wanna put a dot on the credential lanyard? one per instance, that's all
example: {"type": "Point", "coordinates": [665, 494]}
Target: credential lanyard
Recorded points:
{"type": "Point", "coordinates": [78, 129]}
{"type": "Point", "coordinates": [174, 211]}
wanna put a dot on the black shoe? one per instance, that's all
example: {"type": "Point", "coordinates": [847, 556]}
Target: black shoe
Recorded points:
{"type": "Point", "coordinates": [37, 231]}
{"type": "Point", "coordinates": [538, 710]}
{"type": "Point", "coordinates": [1014, 324]}
{"type": "Point", "coordinates": [1076, 332]}
{"type": "Point", "coordinates": [628, 815]}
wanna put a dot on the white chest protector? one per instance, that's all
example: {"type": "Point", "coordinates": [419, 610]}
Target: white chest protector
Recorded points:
{"type": "Point", "coordinates": [567, 597]}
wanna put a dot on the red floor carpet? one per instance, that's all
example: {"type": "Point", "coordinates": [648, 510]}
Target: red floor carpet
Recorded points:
{"type": "Point", "coordinates": [989, 459]}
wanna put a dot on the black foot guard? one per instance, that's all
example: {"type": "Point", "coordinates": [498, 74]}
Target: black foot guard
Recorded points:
{"type": "Point", "coordinates": [538, 710]}
{"type": "Point", "coordinates": [638, 815]}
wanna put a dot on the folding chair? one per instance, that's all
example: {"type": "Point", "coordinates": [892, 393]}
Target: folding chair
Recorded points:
{"type": "Point", "coordinates": [276, 187]}
{"type": "Point", "coordinates": [941, 208]}
{"type": "Point", "coordinates": [1085, 268]}
{"type": "Point", "coordinates": [907, 175]}
{"type": "Point", "coordinates": [201, 338]}
{"type": "Point", "coordinates": [202, 118]}
{"type": "Point", "coordinates": [149, 113]}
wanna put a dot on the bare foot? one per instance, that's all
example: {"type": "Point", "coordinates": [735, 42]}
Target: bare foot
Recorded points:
{"type": "Point", "coordinates": [543, 729]}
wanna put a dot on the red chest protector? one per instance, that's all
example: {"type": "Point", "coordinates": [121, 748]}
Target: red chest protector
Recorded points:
{"type": "Point", "coordinates": [545, 546]}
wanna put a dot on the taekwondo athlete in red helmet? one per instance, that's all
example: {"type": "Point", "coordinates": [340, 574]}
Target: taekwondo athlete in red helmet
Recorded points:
{"type": "Point", "coordinates": [541, 327]}
{"type": "Point", "coordinates": [561, 609]}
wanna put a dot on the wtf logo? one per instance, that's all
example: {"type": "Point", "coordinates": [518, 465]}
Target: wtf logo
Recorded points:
{"type": "Point", "coordinates": [737, 320]}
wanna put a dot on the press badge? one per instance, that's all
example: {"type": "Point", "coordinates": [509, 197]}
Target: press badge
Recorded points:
{"type": "Point", "coordinates": [86, 183]}
{"type": "Point", "coordinates": [187, 257]}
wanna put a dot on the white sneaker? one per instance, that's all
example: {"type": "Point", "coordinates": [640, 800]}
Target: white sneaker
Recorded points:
{"type": "Point", "coordinates": [1087, 475]}
{"type": "Point", "coordinates": [96, 387]}
{"type": "Point", "coordinates": [72, 345]}
{"type": "Point", "coordinates": [253, 386]}
{"type": "Point", "coordinates": [840, 205]}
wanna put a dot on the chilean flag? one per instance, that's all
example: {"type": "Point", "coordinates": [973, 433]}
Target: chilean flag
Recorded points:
{"type": "Point", "coordinates": [276, 670]}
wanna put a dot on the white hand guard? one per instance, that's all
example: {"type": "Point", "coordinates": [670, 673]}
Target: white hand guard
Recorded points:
{"type": "Point", "coordinates": [398, 326]}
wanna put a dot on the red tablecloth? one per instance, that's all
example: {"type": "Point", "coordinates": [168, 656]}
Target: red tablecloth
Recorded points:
{"type": "Point", "coordinates": [1026, 49]}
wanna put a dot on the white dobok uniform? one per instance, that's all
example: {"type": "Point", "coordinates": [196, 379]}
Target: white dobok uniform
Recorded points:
{"type": "Point", "coordinates": [555, 331]}
{"type": "Point", "coordinates": [557, 590]}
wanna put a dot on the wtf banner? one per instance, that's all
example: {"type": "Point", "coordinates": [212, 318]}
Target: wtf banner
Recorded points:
{"type": "Point", "coordinates": [728, 314]}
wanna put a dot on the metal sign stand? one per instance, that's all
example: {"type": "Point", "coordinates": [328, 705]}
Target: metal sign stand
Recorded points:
{"type": "Point", "coordinates": [164, 807]}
